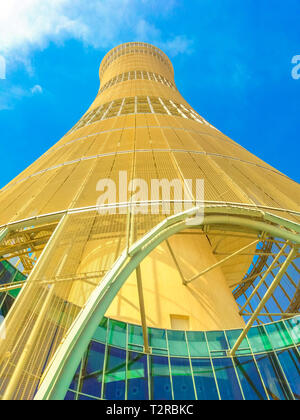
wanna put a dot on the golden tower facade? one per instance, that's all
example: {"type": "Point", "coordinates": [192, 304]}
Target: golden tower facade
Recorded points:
{"type": "Point", "coordinates": [136, 259]}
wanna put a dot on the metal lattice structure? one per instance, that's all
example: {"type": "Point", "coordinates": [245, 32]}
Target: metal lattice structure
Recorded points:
{"type": "Point", "coordinates": [235, 267]}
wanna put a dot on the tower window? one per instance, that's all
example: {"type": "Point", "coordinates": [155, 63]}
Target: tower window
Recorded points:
{"type": "Point", "coordinates": [180, 322]}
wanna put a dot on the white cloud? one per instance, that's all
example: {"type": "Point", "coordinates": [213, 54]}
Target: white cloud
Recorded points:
{"type": "Point", "coordinates": [32, 24]}
{"type": "Point", "coordinates": [178, 45]}
{"type": "Point", "coordinates": [36, 89]}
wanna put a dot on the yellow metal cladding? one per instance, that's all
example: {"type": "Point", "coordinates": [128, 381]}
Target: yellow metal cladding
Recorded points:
{"type": "Point", "coordinates": [138, 123]}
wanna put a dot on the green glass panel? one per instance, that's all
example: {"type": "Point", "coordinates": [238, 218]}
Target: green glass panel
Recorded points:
{"type": "Point", "coordinates": [293, 326]}
{"type": "Point", "coordinates": [117, 333]}
{"type": "Point", "coordinates": [216, 340]}
{"type": "Point", "coordinates": [197, 344]}
{"type": "Point", "coordinates": [135, 335]}
{"type": "Point", "coordinates": [100, 334]}
{"type": "Point", "coordinates": [243, 352]}
{"type": "Point", "coordinates": [278, 335]}
{"type": "Point", "coordinates": [259, 340]}
{"type": "Point", "coordinates": [218, 353]}
{"type": "Point", "coordinates": [136, 348]}
{"type": "Point", "coordinates": [160, 351]}
{"type": "Point", "coordinates": [177, 343]}
{"type": "Point", "coordinates": [157, 338]}
{"type": "Point", "coordinates": [233, 335]}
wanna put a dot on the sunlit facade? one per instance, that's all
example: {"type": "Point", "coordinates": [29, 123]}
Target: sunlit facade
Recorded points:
{"type": "Point", "coordinates": [177, 296]}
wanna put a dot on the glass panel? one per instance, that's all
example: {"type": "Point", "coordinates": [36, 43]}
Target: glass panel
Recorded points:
{"type": "Point", "coordinates": [100, 334]}
{"type": "Point", "coordinates": [233, 335]}
{"type": "Point", "coordinates": [74, 383]}
{"type": "Point", "coordinates": [160, 379]}
{"type": "Point", "coordinates": [216, 341]}
{"type": "Point", "coordinates": [227, 381]}
{"type": "Point", "coordinates": [91, 377]}
{"type": "Point", "coordinates": [197, 344]}
{"type": "Point", "coordinates": [157, 338]}
{"type": "Point", "coordinates": [290, 362]}
{"type": "Point", "coordinates": [70, 396]}
{"type": "Point", "coordinates": [115, 374]}
{"type": "Point", "coordinates": [204, 380]}
{"type": "Point", "coordinates": [249, 378]}
{"type": "Point", "coordinates": [177, 343]}
{"type": "Point", "coordinates": [273, 378]}
{"type": "Point", "coordinates": [137, 376]}
{"type": "Point", "coordinates": [117, 333]}
{"type": "Point", "coordinates": [135, 335]}
{"type": "Point", "coordinates": [135, 348]}
{"type": "Point", "coordinates": [259, 340]}
{"type": "Point", "coordinates": [293, 326]}
{"type": "Point", "coordinates": [82, 397]}
{"type": "Point", "coordinates": [182, 379]}
{"type": "Point", "coordinates": [278, 335]}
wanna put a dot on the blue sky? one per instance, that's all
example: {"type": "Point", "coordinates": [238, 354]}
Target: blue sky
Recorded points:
{"type": "Point", "coordinates": [232, 59]}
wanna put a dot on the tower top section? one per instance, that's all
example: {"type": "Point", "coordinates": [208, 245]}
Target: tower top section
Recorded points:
{"type": "Point", "coordinates": [136, 53]}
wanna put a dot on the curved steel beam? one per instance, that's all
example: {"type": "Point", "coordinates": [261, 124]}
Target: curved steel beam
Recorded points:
{"type": "Point", "coordinates": [62, 367]}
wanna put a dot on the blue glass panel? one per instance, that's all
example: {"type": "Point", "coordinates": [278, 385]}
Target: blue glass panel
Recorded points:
{"type": "Point", "coordinates": [273, 378]}
{"type": "Point", "coordinates": [137, 377]}
{"type": "Point", "coordinates": [74, 383]}
{"type": "Point", "coordinates": [290, 362]}
{"type": "Point", "coordinates": [157, 338]}
{"type": "Point", "coordinates": [115, 374]}
{"type": "Point", "coordinates": [227, 381]}
{"type": "Point", "coordinates": [197, 344]}
{"type": "Point", "coordinates": [293, 326]}
{"type": "Point", "coordinates": [249, 378]}
{"type": "Point", "coordinates": [92, 372]}
{"type": "Point", "coordinates": [177, 343]}
{"type": "Point", "coordinates": [70, 396]}
{"type": "Point", "coordinates": [183, 387]}
{"type": "Point", "coordinates": [204, 380]}
{"type": "Point", "coordinates": [82, 397]}
{"type": "Point", "coordinates": [259, 340]}
{"type": "Point", "coordinates": [160, 379]}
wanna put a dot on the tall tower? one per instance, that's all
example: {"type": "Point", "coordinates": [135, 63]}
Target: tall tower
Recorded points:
{"type": "Point", "coordinates": [156, 255]}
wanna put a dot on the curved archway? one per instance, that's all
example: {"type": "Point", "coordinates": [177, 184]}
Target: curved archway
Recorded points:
{"type": "Point", "coordinates": [64, 363]}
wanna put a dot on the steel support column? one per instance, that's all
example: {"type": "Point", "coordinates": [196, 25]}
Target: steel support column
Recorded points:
{"type": "Point", "coordinates": [262, 303]}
